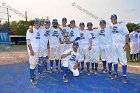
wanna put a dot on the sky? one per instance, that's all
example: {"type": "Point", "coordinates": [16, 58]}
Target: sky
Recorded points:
{"type": "Point", "coordinates": [126, 10]}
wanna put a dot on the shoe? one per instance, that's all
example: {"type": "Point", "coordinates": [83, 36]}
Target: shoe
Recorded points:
{"type": "Point", "coordinates": [43, 75]}
{"type": "Point", "coordinates": [104, 71]}
{"type": "Point", "coordinates": [131, 60]}
{"type": "Point", "coordinates": [65, 79]}
{"type": "Point", "coordinates": [61, 70]}
{"type": "Point", "coordinates": [96, 72]}
{"type": "Point", "coordinates": [36, 77]}
{"type": "Point", "coordinates": [33, 81]}
{"type": "Point", "coordinates": [51, 70]}
{"type": "Point", "coordinates": [92, 71]}
{"type": "Point", "coordinates": [114, 76]}
{"type": "Point", "coordinates": [81, 70]}
{"type": "Point", "coordinates": [109, 74]}
{"type": "Point", "coordinates": [88, 72]}
{"type": "Point", "coordinates": [56, 70]}
{"type": "Point", "coordinates": [124, 79]}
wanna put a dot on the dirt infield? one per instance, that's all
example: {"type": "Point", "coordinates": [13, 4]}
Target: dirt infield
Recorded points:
{"type": "Point", "coordinates": [11, 57]}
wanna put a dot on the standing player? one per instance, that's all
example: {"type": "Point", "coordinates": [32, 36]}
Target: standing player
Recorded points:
{"type": "Point", "coordinates": [33, 46]}
{"type": "Point", "coordinates": [120, 39]}
{"type": "Point", "coordinates": [95, 51]}
{"type": "Point", "coordinates": [139, 44]}
{"type": "Point", "coordinates": [55, 39]}
{"type": "Point", "coordinates": [71, 58]}
{"type": "Point", "coordinates": [134, 44]}
{"type": "Point", "coordinates": [105, 35]}
{"type": "Point", "coordinates": [85, 46]}
{"type": "Point", "coordinates": [65, 31]}
{"type": "Point", "coordinates": [43, 54]}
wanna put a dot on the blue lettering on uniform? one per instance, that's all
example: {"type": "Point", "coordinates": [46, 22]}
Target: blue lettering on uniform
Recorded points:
{"type": "Point", "coordinates": [63, 31]}
{"type": "Point", "coordinates": [38, 35]}
{"type": "Point", "coordinates": [102, 32]}
{"type": "Point", "coordinates": [55, 33]}
{"type": "Point", "coordinates": [136, 35]}
{"type": "Point", "coordinates": [72, 33]}
{"type": "Point", "coordinates": [82, 36]}
{"type": "Point", "coordinates": [92, 35]}
{"type": "Point", "coordinates": [115, 30]}
{"type": "Point", "coordinates": [47, 33]}
{"type": "Point", "coordinates": [73, 58]}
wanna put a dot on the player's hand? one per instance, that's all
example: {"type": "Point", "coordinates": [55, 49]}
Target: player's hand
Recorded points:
{"type": "Point", "coordinates": [126, 47]}
{"type": "Point", "coordinates": [32, 53]}
{"type": "Point", "coordinates": [75, 66]}
{"type": "Point", "coordinates": [90, 47]}
{"type": "Point", "coordinates": [69, 53]}
{"type": "Point", "coordinates": [31, 29]}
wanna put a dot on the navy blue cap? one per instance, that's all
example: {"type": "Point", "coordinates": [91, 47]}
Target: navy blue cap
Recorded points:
{"type": "Point", "coordinates": [54, 21]}
{"type": "Point", "coordinates": [89, 23]}
{"type": "Point", "coordinates": [72, 21]}
{"type": "Point", "coordinates": [47, 22]}
{"type": "Point", "coordinates": [75, 44]}
{"type": "Point", "coordinates": [64, 19]}
{"type": "Point", "coordinates": [82, 23]}
{"type": "Point", "coordinates": [136, 28]}
{"type": "Point", "coordinates": [37, 21]}
{"type": "Point", "coordinates": [102, 22]}
{"type": "Point", "coordinates": [114, 16]}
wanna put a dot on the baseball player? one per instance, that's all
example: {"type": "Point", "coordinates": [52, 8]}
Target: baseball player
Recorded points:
{"type": "Point", "coordinates": [120, 39]}
{"type": "Point", "coordinates": [95, 51]}
{"type": "Point", "coordinates": [43, 54]}
{"type": "Point", "coordinates": [65, 31]}
{"type": "Point", "coordinates": [33, 46]}
{"type": "Point", "coordinates": [55, 39]}
{"type": "Point", "coordinates": [134, 44]}
{"type": "Point", "coordinates": [71, 58]}
{"type": "Point", "coordinates": [85, 45]}
{"type": "Point", "coordinates": [105, 36]}
{"type": "Point", "coordinates": [139, 44]}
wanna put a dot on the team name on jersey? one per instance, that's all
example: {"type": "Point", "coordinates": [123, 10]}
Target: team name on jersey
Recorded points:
{"type": "Point", "coordinates": [55, 33]}
{"type": "Point", "coordinates": [115, 30]}
{"type": "Point", "coordinates": [136, 36]}
{"type": "Point", "coordinates": [38, 35]}
{"type": "Point", "coordinates": [92, 36]}
{"type": "Point", "coordinates": [82, 36]}
{"type": "Point", "coordinates": [102, 32]}
{"type": "Point", "coordinates": [73, 58]}
{"type": "Point", "coordinates": [71, 33]}
{"type": "Point", "coordinates": [47, 33]}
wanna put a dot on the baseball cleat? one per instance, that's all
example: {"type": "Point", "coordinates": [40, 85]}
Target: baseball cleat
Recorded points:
{"type": "Point", "coordinates": [109, 74]}
{"type": "Point", "coordinates": [104, 71]}
{"type": "Point", "coordinates": [33, 81]}
{"type": "Point", "coordinates": [92, 71]}
{"type": "Point", "coordinates": [65, 79]}
{"type": "Point", "coordinates": [124, 79]}
{"type": "Point", "coordinates": [88, 72]}
{"type": "Point", "coordinates": [114, 76]}
{"type": "Point", "coordinates": [56, 70]}
{"type": "Point", "coordinates": [61, 70]}
{"type": "Point", "coordinates": [36, 77]}
{"type": "Point", "coordinates": [81, 70]}
{"type": "Point", "coordinates": [96, 72]}
{"type": "Point", "coordinates": [51, 70]}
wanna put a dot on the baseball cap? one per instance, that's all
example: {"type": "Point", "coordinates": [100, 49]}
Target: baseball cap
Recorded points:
{"type": "Point", "coordinates": [37, 21]}
{"type": "Point", "coordinates": [114, 16]}
{"type": "Point", "coordinates": [75, 44]}
{"type": "Point", "coordinates": [82, 23]}
{"type": "Point", "coordinates": [54, 21]}
{"type": "Point", "coordinates": [136, 28]}
{"type": "Point", "coordinates": [64, 19]}
{"type": "Point", "coordinates": [89, 23]}
{"type": "Point", "coordinates": [72, 21]}
{"type": "Point", "coordinates": [47, 22]}
{"type": "Point", "coordinates": [102, 22]}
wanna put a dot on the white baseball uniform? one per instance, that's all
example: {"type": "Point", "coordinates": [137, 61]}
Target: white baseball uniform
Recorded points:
{"type": "Point", "coordinates": [118, 36]}
{"type": "Point", "coordinates": [64, 46]}
{"type": "Point", "coordinates": [35, 43]}
{"type": "Point", "coordinates": [105, 38]}
{"type": "Point", "coordinates": [55, 36]}
{"type": "Point", "coordinates": [45, 35]}
{"type": "Point", "coordinates": [70, 60]}
{"type": "Point", "coordinates": [84, 44]}
{"type": "Point", "coordinates": [139, 42]}
{"type": "Point", "coordinates": [95, 51]}
{"type": "Point", "coordinates": [133, 42]}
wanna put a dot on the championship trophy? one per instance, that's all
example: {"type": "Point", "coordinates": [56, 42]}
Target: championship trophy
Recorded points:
{"type": "Point", "coordinates": [66, 38]}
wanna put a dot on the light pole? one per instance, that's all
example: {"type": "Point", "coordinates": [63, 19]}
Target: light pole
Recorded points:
{"type": "Point", "coordinates": [8, 19]}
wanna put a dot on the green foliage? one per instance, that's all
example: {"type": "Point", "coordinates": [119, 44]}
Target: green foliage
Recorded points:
{"type": "Point", "coordinates": [130, 26]}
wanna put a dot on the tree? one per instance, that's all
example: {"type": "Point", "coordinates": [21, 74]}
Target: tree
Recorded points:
{"type": "Point", "coordinates": [130, 26]}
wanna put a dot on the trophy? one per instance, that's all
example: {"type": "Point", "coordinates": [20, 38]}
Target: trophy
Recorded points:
{"type": "Point", "coordinates": [66, 37]}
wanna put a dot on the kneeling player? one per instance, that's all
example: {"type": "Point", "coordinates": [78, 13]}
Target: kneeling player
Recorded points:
{"type": "Point", "coordinates": [71, 58]}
